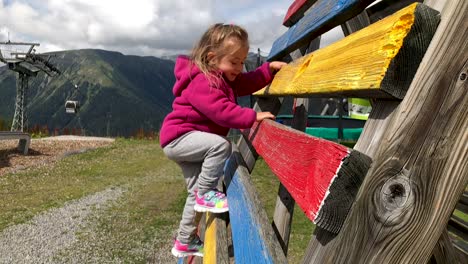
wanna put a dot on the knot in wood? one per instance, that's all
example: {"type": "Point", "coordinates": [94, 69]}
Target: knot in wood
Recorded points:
{"type": "Point", "coordinates": [394, 200]}
{"type": "Point", "coordinates": [395, 192]}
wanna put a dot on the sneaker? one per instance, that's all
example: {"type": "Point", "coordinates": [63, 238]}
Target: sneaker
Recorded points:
{"type": "Point", "coordinates": [213, 201]}
{"type": "Point", "coordinates": [194, 248]}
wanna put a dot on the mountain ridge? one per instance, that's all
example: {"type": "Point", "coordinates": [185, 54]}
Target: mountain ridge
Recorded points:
{"type": "Point", "coordinates": [119, 94]}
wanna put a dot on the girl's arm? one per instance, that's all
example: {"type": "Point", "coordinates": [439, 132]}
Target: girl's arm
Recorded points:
{"type": "Point", "coordinates": [250, 82]}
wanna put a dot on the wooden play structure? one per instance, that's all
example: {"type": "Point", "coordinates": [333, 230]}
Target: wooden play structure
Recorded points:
{"type": "Point", "coordinates": [390, 199]}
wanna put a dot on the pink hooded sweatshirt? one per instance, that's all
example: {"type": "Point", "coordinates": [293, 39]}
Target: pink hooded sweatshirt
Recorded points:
{"type": "Point", "coordinates": [201, 106]}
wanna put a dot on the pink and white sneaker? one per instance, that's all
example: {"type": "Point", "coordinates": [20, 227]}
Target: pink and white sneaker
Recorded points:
{"type": "Point", "coordinates": [213, 201]}
{"type": "Point", "coordinates": [194, 248]}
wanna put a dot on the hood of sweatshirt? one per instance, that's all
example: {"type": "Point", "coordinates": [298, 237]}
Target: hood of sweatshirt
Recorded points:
{"type": "Point", "coordinates": [184, 71]}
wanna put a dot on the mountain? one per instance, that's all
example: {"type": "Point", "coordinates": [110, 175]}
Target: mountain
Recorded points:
{"type": "Point", "coordinates": [119, 94]}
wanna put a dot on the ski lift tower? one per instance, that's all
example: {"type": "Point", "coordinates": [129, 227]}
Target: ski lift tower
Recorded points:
{"type": "Point", "coordinates": [26, 64]}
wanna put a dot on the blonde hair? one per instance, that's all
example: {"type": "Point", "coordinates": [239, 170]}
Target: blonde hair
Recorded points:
{"type": "Point", "coordinates": [213, 40]}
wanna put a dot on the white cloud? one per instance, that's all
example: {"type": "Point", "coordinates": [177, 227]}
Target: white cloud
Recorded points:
{"type": "Point", "coordinates": [131, 26]}
{"type": "Point", "coordinates": [140, 27]}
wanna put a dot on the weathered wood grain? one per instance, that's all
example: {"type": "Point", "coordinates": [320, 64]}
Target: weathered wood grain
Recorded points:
{"type": "Point", "coordinates": [253, 238]}
{"type": "Point", "coordinates": [215, 243]}
{"type": "Point", "coordinates": [284, 209]}
{"type": "Point", "coordinates": [376, 62]}
{"type": "Point", "coordinates": [463, 203]}
{"type": "Point", "coordinates": [458, 232]}
{"type": "Point", "coordinates": [384, 8]}
{"type": "Point", "coordinates": [323, 16]}
{"type": "Point", "coordinates": [296, 11]}
{"type": "Point", "coordinates": [444, 251]}
{"type": "Point", "coordinates": [248, 153]}
{"type": "Point", "coordinates": [215, 236]}
{"type": "Point", "coordinates": [323, 177]}
{"type": "Point", "coordinates": [420, 166]}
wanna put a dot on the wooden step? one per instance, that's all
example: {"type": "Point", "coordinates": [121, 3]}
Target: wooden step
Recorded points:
{"type": "Point", "coordinates": [323, 177]}
{"type": "Point", "coordinates": [378, 61]}
{"type": "Point", "coordinates": [323, 16]}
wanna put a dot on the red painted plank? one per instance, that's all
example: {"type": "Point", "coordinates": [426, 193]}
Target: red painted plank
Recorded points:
{"type": "Point", "coordinates": [296, 11]}
{"type": "Point", "coordinates": [319, 174]}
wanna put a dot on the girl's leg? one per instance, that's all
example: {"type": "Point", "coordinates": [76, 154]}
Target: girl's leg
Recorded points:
{"type": "Point", "coordinates": [190, 219]}
{"type": "Point", "coordinates": [209, 149]}
{"type": "Point", "coordinates": [201, 156]}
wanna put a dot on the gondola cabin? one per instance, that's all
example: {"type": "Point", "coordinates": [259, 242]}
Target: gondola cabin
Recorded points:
{"type": "Point", "coordinates": [72, 107]}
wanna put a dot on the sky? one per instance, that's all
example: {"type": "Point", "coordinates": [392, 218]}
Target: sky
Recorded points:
{"type": "Point", "coordinates": [139, 27]}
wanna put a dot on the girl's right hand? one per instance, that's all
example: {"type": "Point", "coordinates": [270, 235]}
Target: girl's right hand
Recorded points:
{"type": "Point", "coordinates": [264, 115]}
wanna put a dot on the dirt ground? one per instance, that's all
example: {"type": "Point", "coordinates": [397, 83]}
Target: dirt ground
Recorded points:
{"type": "Point", "coordinates": [45, 151]}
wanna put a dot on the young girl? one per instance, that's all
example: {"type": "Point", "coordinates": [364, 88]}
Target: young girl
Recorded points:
{"type": "Point", "coordinates": [204, 109]}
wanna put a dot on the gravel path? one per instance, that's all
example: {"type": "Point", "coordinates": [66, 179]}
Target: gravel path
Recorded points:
{"type": "Point", "coordinates": [39, 240]}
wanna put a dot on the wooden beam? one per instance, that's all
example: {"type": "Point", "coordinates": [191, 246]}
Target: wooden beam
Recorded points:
{"type": "Point", "coordinates": [323, 16]}
{"type": "Point", "coordinates": [385, 7]}
{"type": "Point", "coordinates": [398, 216]}
{"type": "Point", "coordinates": [296, 11]}
{"type": "Point", "coordinates": [215, 236]}
{"type": "Point", "coordinates": [376, 62]}
{"type": "Point", "coordinates": [216, 243]}
{"type": "Point", "coordinates": [247, 151]}
{"type": "Point", "coordinates": [444, 251]}
{"type": "Point", "coordinates": [323, 177]}
{"type": "Point", "coordinates": [284, 209]}
{"type": "Point", "coordinates": [253, 238]}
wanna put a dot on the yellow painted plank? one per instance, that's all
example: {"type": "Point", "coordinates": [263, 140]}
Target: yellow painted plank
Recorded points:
{"type": "Point", "coordinates": [209, 254]}
{"type": "Point", "coordinates": [355, 65]}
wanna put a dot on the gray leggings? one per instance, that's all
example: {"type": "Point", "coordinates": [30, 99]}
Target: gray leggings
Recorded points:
{"type": "Point", "coordinates": [201, 156]}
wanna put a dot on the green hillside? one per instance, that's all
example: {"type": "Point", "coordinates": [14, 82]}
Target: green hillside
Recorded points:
{"type": "Point", "coordinates": [118, 94]}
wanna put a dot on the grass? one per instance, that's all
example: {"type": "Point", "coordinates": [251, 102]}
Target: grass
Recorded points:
{"type": "Point", "coordinates": [143, 221]}
{"type": "Point", "coordinates": [151, 204]}
{"type": "Point", "coordinates": [141, 224]}
{"type": "Point", "coordinates": [27, 193]}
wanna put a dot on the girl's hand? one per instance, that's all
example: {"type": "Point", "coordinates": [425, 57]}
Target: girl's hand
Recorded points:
{"type": "Point", "coordinates": [264, 115]}
{"type": "Point", "coordinates": [276, 66]}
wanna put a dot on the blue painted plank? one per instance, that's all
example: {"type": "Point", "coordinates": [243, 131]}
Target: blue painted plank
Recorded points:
{"type": "Point", "coordinates": [254, 240]}
{"type": "Point", "coordinates": [296, 11]}
{"type": "Point", "coordinates": [322, 16]}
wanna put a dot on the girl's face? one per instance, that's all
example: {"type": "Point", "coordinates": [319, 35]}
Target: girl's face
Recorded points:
{"type": "Point", "coordinates": [232, 63]}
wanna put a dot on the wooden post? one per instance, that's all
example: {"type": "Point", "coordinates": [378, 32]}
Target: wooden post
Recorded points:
{"type": "Point", "coordinates": [254, 240]}
{"type": "Point", "coordinates": [215, 236]}
{"type": "Point", "coordinates": [443, 251]}
{"type": "Point", "coordinates": [322, 176]}
{"type": "Point", "coordinates": [420, 166]}
{"type": "Point", "coordinates": [246, 149]}
{"type": "Point", "coordinates": [284, 209]}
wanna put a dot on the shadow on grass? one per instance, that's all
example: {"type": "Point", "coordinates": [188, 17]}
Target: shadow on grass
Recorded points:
{"type": "Point", "coordinates": [7, 154]}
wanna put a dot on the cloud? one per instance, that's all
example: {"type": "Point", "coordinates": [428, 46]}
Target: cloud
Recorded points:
{"type": "Point", "coordinates": [139, 27]}
{"type": "Point", "coordinates": [143, 27]}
